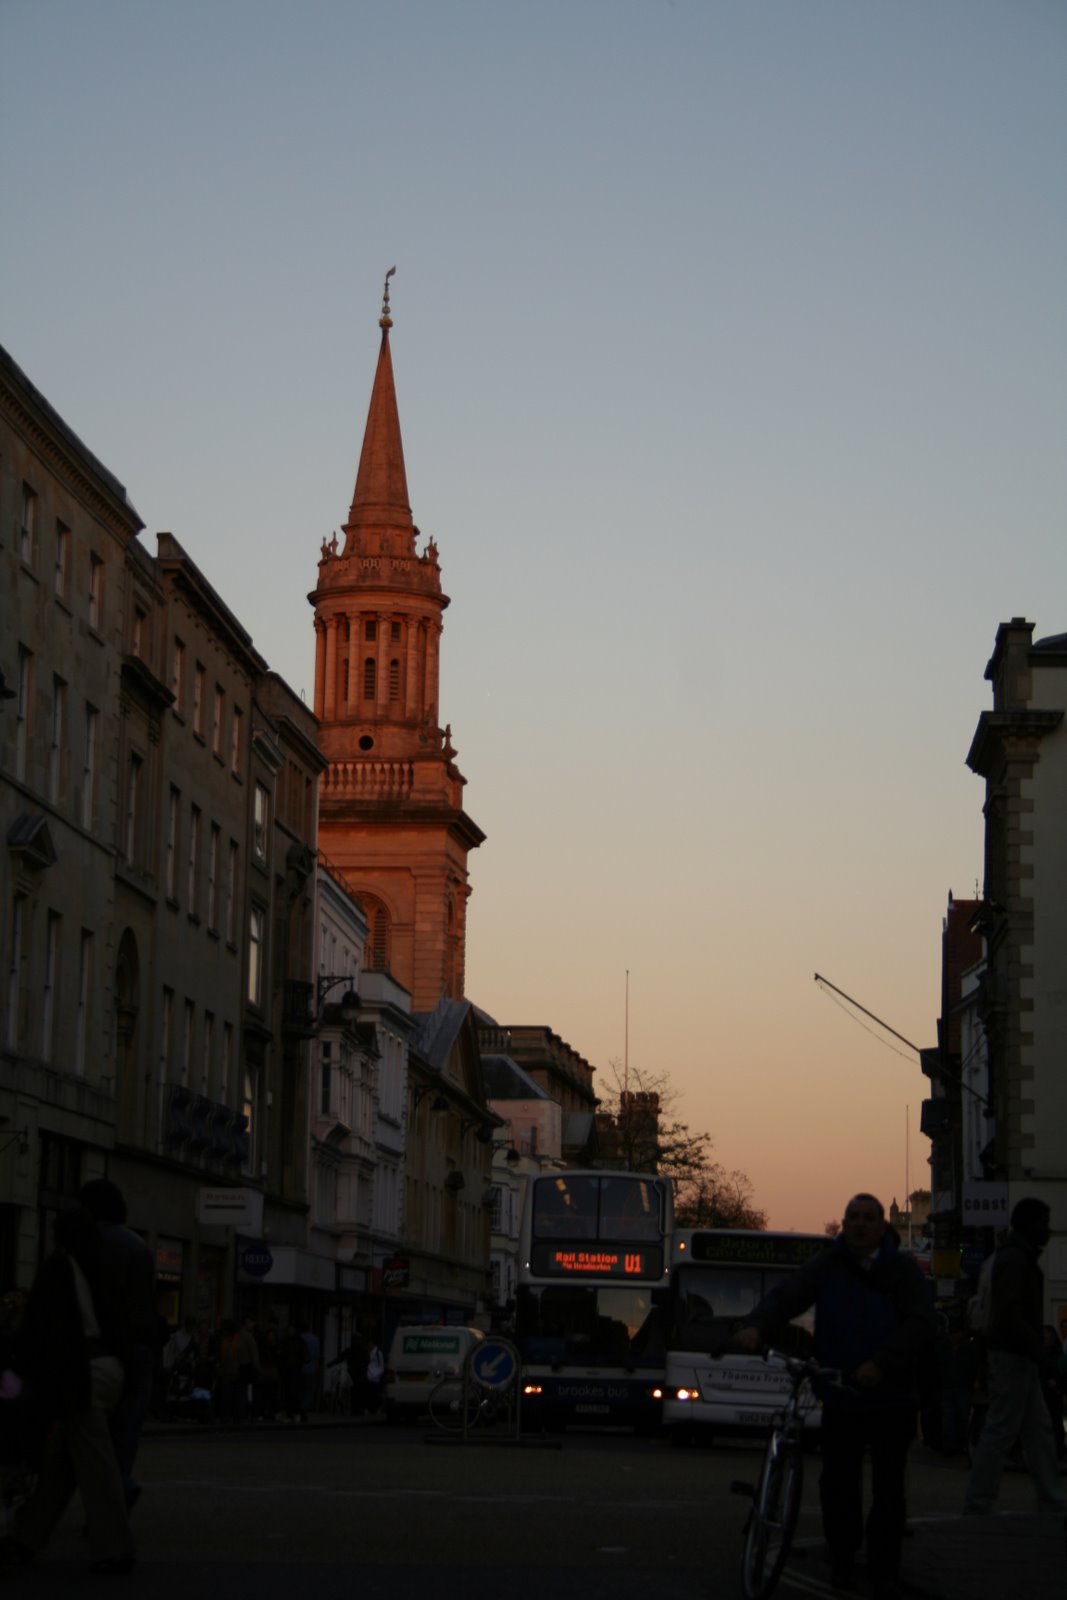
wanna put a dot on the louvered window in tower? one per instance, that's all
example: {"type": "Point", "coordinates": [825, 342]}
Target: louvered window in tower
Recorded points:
{"type": "Point", "coordinates": [379, 940]}
{"type": "Point", "coordinates": [370, 678]}
{"type": "Point", "coordinates": [394, 680]}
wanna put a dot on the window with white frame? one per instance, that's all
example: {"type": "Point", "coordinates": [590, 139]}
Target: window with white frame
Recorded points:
{"type": "Point", "coordinates": [81, 1024]}
{"type": "Point", "coordinates": [250, 1111]}
{"type": "Point", "coordinates": [198, 699]}
{"type": "Point", "coordinates": [24, 695]}
{"type": "Point", "coordinates": [61, 579]}
{"type": "Point", "coordinates": [177, 675]}
{"type": "Point", "coordinates": [207, 1082]}
{"type": "Point", "coordinates": [88, 794]}
{"type": "Point", "coordinates": [218, 716]}
{"type": "Point", "coordinates": [166, 1035]}
{"type": "Point", "coordinates": [51, 979]}
{"type": "Point", "coordinates": [256, 924]}
{"type": "Point", "coordinates": [325, 1078]}
{"type": "Point", "coordinates": [187, 1043]}
{"type": "Point", "coordinates": [231, 893]}
{"type": "Point", "coordinates": [14, 972]}
{"type": "Point", "coordinates": [193, 863]}
{"type": "Point", "coordinates": [214, 846]}
{"type": "Point", "coordinates": [260, 822]}
{"type": "Point", "coordinates": [133, 802]}
{"type": "Point", "coordinates": [236, 725]}
{"type": "Point", "coordinates": [55, 748]}
{"type": "Point", "coordinates": [226, 1088]}
{"type": "Point", "coordinates": [170, 872]}
{"type": "Point", "coordinates": [28, 525]}
{"type": "Point", "coordinates": [96, 592]}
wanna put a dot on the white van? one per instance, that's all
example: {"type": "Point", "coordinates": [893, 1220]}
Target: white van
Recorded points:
{"type": "Point", "coordinates": [418, 1359]}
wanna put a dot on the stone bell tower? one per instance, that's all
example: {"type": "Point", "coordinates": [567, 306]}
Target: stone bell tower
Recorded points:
{"type": "Point", "coordinates": [391, 810]}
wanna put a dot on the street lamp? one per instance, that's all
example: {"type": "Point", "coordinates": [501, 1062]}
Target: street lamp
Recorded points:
{"type": "Point", "coordinates": [349, 1001]}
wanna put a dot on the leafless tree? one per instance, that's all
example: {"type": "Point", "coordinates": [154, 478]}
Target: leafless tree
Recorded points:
{"type": "Point", "coordinates": [641, 1132]}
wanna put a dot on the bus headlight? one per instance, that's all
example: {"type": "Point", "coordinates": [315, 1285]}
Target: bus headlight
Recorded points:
{"type": "Point", "coordinates": [657, 1394]}
{"type": "Point", "coordinates": [687, 1394]}
{"type": "Point", "coordinates": [529, 1389]}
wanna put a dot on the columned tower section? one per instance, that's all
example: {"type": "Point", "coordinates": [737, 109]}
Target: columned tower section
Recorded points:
{"type": "Point", "coordinates": [391, 810]}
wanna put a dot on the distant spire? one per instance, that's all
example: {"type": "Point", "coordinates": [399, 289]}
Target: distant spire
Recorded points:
{"type": "Point", "coordinates": [380, 500]}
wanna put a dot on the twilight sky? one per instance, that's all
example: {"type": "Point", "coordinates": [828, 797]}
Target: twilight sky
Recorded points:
{"type": "Point", "coordinates": [731, 354]}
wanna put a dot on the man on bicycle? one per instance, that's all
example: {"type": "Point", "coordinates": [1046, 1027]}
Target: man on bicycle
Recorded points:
{"type": "Point", "coordinates": [873, 1316]}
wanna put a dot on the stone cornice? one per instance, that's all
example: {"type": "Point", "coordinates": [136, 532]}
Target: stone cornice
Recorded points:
{"type": "Point", "coordinates": [140, 679]}
{"type": "Point", "coordinates": [1005, 734]}
{"type": "Point", "coordinates": [174, 562]}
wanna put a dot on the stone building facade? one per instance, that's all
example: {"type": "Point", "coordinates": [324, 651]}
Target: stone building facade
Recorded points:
{"type": "Point", "coordinates": [67, 808]}
{"type": "Point", "coordinates": [158, 800]}
{"type": "Point", "coordinates": [1020, 750]}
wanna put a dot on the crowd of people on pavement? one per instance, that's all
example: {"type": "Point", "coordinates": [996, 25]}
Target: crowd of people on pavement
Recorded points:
{"type": "Point", "coordinates": [245, 1372]}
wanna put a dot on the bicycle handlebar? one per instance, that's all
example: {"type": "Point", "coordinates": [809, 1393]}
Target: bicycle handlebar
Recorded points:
{"type": "Point", "coordinates": [800, 1368]}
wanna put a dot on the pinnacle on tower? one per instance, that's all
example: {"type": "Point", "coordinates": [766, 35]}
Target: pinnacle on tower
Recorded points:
{"type": "Point", "coordinates": [380, 502]}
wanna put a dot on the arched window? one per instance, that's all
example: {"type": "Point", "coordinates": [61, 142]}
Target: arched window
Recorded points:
{"type": "Point", "coordinates": [376, 954]}
{"type": "Point", "coordinates": [370, 678]}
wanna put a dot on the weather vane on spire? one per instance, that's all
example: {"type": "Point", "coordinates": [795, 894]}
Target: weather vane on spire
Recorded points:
{"type": "Point", "coordinates": [386, 321]}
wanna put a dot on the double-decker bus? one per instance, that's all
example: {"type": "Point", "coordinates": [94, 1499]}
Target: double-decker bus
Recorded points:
{"type": "Point", "coordinates": [592, 1298]}
{"type": "Point", "coordinates": [718, 1276]}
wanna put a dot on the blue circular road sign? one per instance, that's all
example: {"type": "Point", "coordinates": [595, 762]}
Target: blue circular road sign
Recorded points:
{"type": "Point", "coordinates": [494, 1363]}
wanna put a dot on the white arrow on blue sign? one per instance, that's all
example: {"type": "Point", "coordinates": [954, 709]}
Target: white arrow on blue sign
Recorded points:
{"type": "Point", "coordinates": [494, 1363]}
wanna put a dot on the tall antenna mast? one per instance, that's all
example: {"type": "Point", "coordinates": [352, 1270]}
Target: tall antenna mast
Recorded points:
{"type": "Point", "coordinates": [626, 1040]}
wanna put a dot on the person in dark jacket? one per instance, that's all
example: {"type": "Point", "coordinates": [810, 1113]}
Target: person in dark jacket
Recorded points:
{"type": "Point", "coordinates": [1014, 1339]}
{"type": "Point", "coordinates": [133, 1271]}
{"type": "Point", "coordinates": [74, 1347]}
{"type": "Point", "coordinates": [873, 1320]}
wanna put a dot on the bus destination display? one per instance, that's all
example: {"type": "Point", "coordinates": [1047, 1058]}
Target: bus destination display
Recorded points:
{"type": "Point", "coordinates": [763, 1249]}
{"type": "Point", "coordinates": [596, 1261]}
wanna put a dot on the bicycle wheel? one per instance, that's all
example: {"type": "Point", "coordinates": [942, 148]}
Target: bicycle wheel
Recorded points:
{"type": "Point", "coordinates": [769, 1532]}
{"type": "Point", "coordinates": [446, 1404]}
{"type": "Point", "coordinates": [483, 1408]}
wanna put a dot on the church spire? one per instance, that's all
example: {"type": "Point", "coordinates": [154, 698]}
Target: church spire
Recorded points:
{"type": "Point", "coordinates": [380, 501]}
{"type": "Point", "coordinates": [391, 809]}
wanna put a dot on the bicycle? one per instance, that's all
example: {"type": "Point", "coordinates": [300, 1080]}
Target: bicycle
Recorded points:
{"type": "Point", "coordinates": [461, 1402]}
{"type": "Point", "coordinates": [776, 1498]}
